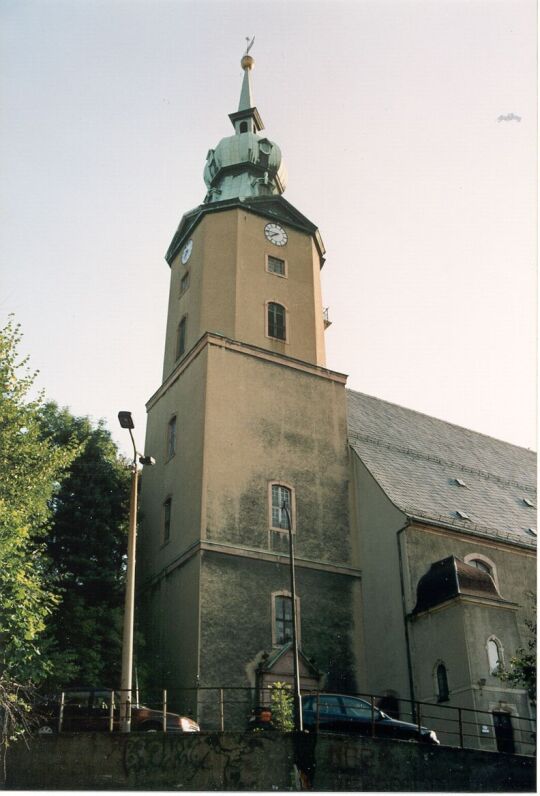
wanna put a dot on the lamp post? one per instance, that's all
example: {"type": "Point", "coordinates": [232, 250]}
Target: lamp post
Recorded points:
{"type": "Point", "coordinates": [126, 421]}
{"type": "Point", "coordinates": [298, 718]}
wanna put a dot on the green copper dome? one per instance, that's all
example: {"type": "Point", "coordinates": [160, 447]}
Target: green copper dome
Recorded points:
{"type": "Point", "coordinates": [244, 165]}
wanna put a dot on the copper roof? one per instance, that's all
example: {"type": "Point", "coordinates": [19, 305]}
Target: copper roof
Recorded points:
{"type": "Point", "coordinates": [451, 577]}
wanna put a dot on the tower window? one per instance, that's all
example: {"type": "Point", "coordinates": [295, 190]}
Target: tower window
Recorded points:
{"type": "Point", "coordinates": [181, 338]}
{"type": "Point", "coordinates": [275, 265]}
{"type": "Point", "coordinates": [243, 127]}
{"type": "Point", "coordinates": [184, 283]}
{"type": "Point", "coordinates": [171, 437]}
{"type": "Point", "coordinates": [283, 619]}
{"type": "Point", "coordinates": [481, 565]}
{"type": "Point", "coordinates": [281, 500]}
{"type": "Point", "coordinates": [442, 683]}
{"type": "Point", "coordinates": [494, 655]}
{"type": "Point", "coordinates": [276, 321]}
{"type": "Point", "coordinates": [166, 530]}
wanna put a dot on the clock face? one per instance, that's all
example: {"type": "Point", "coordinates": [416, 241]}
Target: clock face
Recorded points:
{"type": "Point", "coordinates": [276, 234]}
{"type": "Point", "coordinates": [186, 251]}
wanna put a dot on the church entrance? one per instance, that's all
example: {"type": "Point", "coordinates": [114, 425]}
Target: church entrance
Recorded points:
{"type": "Point", "coordinates": [504, 732]}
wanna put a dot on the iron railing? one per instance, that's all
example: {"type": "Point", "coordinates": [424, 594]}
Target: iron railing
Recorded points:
{"type": "Point", "coordinates": [223, 709]}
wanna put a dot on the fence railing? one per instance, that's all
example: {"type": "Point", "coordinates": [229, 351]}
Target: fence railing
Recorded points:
{"type": "Point", "coordinates": [235, 708]}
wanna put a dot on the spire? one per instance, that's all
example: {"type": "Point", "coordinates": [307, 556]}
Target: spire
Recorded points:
{"type": "Point", "coordinates": [246, 164]}
{"type": "Point", "coordinates": [247, 117]}
{"type": "Point", "coordinates": [246, 96]}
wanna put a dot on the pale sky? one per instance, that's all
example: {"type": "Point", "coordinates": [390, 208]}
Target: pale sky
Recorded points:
{"type": "Point", "coordinates": [386, 112]}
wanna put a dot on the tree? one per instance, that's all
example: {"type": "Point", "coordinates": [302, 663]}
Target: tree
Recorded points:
{"type": "Point", "coordinates": [86, 547]}
{"type": "Point", "coordinates": [522, 670]}
{"type": "Point", "coordinates": [282, 705]}
{"type": "Point", "coordinates": [31, 468]}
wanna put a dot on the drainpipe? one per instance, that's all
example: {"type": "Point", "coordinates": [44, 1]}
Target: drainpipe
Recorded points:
{"type": "Point", "coordinates": [406, 620]}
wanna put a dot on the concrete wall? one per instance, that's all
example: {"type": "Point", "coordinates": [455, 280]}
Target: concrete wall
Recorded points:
{"type": "Point", "coordinates": [258, 762]}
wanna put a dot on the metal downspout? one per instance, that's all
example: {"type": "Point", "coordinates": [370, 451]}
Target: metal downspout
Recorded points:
{"type": "Point", "coordinates": [405, 620]}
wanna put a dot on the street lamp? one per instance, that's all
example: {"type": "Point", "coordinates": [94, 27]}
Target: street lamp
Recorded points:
{"type": "Point", "coordinates": [126, 421]}
{"type": "Point", "coordinates": [298, 718]}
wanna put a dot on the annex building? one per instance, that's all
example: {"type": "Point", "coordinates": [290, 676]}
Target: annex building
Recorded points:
{"type": "Point", "coordinates": [415, 539]}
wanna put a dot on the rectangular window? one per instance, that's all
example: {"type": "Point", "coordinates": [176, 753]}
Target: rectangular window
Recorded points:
{"type": "Point", "coordinates": [281, 499]}
{"type": "Point", "coordinates": [181, 339]}
{"type": "Point", "coordinates": [184, 283]}
{"type": "Point", "coordinates": [283, 619]}
{"type": "Point", "coordinates": [275, 265]}
{"type": "Point", "coordinates": [276, 321]}
{"type": "Point", "coordinates": [171, 437]}
{"type": "Point", "coordinates": [167, 520]}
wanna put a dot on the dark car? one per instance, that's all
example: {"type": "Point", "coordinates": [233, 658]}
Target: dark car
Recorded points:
{"type": "Point", "coordinates": [347, 714]}
{"type": "Point", "coordinates": [89, 710]}
{"type": "Point", "coordinates": [342, 713]}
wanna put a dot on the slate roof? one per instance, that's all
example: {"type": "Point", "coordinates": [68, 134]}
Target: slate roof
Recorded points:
{"type": "Point", "coordinates": [416, 459]}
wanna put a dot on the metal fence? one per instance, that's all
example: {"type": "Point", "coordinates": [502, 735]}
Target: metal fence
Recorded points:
{"type": "Point", "coordinates": [222, 709]}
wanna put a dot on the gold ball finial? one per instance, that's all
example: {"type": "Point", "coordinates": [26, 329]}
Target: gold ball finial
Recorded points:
{"type": "Point", "coordinates": [247, 62]}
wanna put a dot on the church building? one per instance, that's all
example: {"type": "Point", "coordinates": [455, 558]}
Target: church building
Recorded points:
{"type": "Point", "coordinates": [414, 539]}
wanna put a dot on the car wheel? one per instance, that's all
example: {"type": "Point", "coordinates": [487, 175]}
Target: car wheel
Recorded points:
{"type": "Point", "coordinates": [46, 730]}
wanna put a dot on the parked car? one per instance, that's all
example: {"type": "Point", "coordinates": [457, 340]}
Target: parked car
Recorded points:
{"type": "Point", "coordinates": [347, 714]}
{"type": "Point", "coordinates": [89, 710]}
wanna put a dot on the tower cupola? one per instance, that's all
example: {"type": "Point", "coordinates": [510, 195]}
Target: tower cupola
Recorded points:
{"type": "Point", "coordinates": [245, 164]}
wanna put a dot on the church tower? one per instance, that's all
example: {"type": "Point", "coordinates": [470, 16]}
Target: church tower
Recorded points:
{"type": "Point", "coordinates": [247, 417]}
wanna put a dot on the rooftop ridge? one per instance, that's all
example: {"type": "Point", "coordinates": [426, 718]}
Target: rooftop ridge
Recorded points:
{"type": "Point", "coordinates": [439, 460]}
{"type": "Point", "coordinates": [440, 420]}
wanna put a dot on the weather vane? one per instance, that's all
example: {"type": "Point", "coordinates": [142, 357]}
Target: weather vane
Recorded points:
{"type": "Point", "coordinates": [249, 44]}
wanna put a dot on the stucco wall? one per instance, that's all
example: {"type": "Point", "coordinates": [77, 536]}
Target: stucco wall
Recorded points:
{"type": "Point", "coordinates": [268, 422]}
{"type": "Point", "coordinates": [257, 762]}
{"type": "Point", "coordinates": [237, 609]}
{"type": "Point", "coordinates": [229, 285]}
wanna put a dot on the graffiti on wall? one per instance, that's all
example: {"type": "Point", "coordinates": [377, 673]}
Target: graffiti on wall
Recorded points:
{"type": "Point", "coordinates": [193, 762]}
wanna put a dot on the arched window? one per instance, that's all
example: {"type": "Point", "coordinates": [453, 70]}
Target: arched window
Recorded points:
{"type": "Point", "coordinates": [166, 521]}
{"type": "Point", "coordinates": [276, 321]}
{"type": "Point", "coordinates": [483, 564]}
{"type": "Point", "coordinates": [281, 499]}
{"type": "Point", "coordinates": [282, 618]}
{"type": "Point", "coordinates": [171, 437]}
{"type": "Point", "coordinates": [181, 337]}
{"type": "Point", "coordinates": [494, 651]}
{"type": "Point", "coordinates": [442, 683]}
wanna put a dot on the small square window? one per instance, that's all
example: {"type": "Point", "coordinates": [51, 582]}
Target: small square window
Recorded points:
{"type": "Point", "coordinates": [276, 266]}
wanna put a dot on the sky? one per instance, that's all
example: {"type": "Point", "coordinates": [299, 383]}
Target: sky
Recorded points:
{"type": "Point", "coordinates": [409, 132]}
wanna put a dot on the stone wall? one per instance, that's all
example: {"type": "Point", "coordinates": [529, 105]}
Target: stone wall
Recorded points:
{"type": "Point", "coordinates": [258, 761]}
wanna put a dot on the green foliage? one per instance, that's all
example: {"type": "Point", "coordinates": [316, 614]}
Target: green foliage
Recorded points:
{"type": "Point", "coordinates": [522, 670]}
{"type": "Point", "coordinates": [86, 548]}
{"type": "Point", "coordinates": [31, 468]}
{"type": "Point", "coordinates": [282, 705]}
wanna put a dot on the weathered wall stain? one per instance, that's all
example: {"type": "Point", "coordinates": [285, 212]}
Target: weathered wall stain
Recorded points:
{"type": "Point", "coordinates": [258, 762]}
